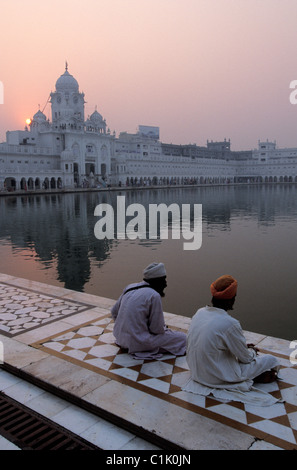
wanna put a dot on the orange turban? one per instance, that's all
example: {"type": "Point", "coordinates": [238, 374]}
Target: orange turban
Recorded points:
{"type": "Point", "coordinates": [225, 287]}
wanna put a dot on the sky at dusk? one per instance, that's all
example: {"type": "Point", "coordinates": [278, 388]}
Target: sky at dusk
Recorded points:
{"type": "Point", "coordinates": [198, 69]}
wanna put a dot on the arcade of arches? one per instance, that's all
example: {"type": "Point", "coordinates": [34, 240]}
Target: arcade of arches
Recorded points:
{"type": "Point", "coordinates": [161, 181]}
{"type": "Point", "coordinates": [47, 183]}
{"type": "Point", "coordinates": [31, 184]}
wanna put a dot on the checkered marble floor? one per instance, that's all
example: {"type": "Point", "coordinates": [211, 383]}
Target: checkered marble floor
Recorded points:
{"type": "Point", "coordinates": [23, 309]}
{"type": "Point", "coordinates": [91, 345]}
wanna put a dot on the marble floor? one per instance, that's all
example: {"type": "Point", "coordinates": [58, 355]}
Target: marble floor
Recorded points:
{"type": "Point", "coordinates": [64, 340]}
{"type": "Point", "coordinates": [23, 309]}
{"type": "Point", "coordinates": [92, 428]}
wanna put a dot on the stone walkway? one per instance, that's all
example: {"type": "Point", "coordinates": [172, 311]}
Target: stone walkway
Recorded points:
{"type": "Point", "coordinates": [62, 342]}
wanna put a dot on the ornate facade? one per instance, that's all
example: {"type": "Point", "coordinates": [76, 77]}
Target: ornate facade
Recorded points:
{"type": "Point", "coordinates": [70, 151]}
{"type": "Point", "coordinates": [66, 152]}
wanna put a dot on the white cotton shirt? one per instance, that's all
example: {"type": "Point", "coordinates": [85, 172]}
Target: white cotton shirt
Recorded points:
{"type": "Point", "coordinates": [217, 353]}
{"type": "Point", "coordinates": [139, 324]}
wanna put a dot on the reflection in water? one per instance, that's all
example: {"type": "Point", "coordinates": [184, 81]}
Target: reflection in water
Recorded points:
{"type": "Point", "coordinates": [248, 231]}
{"type": "Point", "coordinates": [60, 230]}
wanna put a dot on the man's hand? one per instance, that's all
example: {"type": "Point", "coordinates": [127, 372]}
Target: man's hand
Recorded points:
{"type": "Point", "coordinates": [252, 346]}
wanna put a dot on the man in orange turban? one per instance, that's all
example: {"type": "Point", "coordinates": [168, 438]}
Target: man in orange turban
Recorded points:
{"type": "Point", "coordinates": [225, 287]}
{"type": "Point", "coordinates": [217, 353]}
{"type": "Point", "coordinates": [224, 291]}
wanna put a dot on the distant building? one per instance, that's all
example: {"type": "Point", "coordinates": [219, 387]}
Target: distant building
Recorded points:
{"type": "Point", "coordinates": [70, 151]}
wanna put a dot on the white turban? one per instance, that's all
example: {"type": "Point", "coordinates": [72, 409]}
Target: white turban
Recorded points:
{"type": "Point", "coordinates": [154, 270]}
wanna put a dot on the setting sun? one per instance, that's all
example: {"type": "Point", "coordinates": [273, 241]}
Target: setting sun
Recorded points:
{"type": "Point", "coordinates": [28, 121]}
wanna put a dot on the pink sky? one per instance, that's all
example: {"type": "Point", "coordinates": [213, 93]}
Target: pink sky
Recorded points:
{"type": "Point", "coordinates": [198, 69]}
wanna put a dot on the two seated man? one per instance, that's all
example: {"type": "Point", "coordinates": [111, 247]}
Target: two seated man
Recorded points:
{"type": "Point", "coordinates": [217, 353]}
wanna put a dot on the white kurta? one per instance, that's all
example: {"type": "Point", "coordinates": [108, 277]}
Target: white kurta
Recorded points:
{"type": "Point", "coordinates": [140, 326]}
{"type": "Point", "coordinates": [217, 354]}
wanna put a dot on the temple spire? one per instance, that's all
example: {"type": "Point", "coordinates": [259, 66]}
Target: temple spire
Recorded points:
{"type": "Point", "coordinates": [66, 66]}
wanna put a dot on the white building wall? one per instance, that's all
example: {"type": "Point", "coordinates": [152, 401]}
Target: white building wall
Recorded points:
{"type": "Point", "coordinates": [69, 151]}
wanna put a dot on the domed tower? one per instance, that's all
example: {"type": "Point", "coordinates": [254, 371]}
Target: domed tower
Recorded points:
{"type": "Point", "coordinates": [39, 117]}
{"type": "Point", "coordinates": [67, 104]}
{"type": "Point", "coordinates": [96, 123]}
{"type": "Point", "coordinates": [39, 122]}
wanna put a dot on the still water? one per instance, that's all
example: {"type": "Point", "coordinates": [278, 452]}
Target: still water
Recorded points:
{"type": "Point", "coordinates": [247, 231]}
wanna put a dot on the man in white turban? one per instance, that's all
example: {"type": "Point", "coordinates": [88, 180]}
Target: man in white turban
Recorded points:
{"type": "Point", "coordinates": [139, 319]}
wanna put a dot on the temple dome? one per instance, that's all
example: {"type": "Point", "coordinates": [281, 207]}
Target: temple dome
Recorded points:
{"type": "Point", "coordinates": [96, 117]}
{"type": "Point", "coordinates": [67, 83]}
{"type": "Point", "coordinates": [39, 116]}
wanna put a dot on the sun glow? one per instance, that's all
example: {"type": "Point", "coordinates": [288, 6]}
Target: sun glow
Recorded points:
{"type": "Point", "coordinates": [28, 121]}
